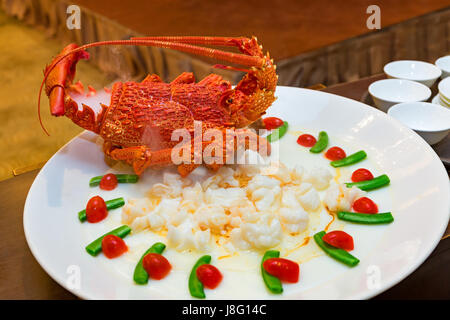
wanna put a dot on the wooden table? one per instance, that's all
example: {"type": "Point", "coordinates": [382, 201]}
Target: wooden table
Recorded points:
{"type": "Point", "coordinates": [21, 277]}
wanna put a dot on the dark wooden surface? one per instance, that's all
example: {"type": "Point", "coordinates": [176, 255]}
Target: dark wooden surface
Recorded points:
{"type": "Point", "coordinates": [21, 277]}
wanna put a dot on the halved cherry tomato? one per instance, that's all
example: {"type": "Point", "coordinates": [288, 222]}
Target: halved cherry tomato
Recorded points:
{"type": "Point", "coordinates": [335, 153]}
{"type": "Point", "coordinates": [365, 205]}
{"type": "Point", "coordinates": [272, 123]}
{"type": "Point", "coordinates": [113, 246]}
{"type": "Point", "coordinates": [209, 275]}
{"type": "Point", "coordinates": [306, 140]}
{"type": "Point", "coordinates": [339, 239]}
{"type": "Point", "coordinates": [361, 175]}
{"type": "Point", "coordinates": [108, 182]}
{"type": "Point", "coordinates": [156, 265]}
{"type": "Point", "coordinates": [96, 209]}
{"type": "Point", "coordinates": [284, 269]}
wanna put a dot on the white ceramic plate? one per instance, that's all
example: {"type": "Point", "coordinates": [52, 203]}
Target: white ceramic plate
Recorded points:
{"type": "Point", "coordinates": [419, 191]}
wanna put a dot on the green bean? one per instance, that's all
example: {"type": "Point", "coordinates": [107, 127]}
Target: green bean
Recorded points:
{"type": "Point", "coordinates": [336, 253]}
{"type": "Point", "coordinates": [278, 133]}
{"type": "Point", "coordinates": [351, 159]}
{"type": "Point", "coordinates": [140, 276]}
{"type": "Point", "coordinates": [365, 218]}
{"type": "Point", "coordinates": [121, 178]}
{"type": "Point", "coordinates": [272, 283]}
{"type": "Point", "coordinates": [321, 143]}
{"type": "Point", "coordinates": [195, 285]}
{"type": "Point", "coordinates": [95, 246]}
{"type": "Point", "coordinates": [110, 204]}
{"type": "Point", "coordinates": [372, 184]}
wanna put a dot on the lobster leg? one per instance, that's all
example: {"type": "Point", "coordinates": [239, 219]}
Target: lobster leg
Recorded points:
{"type": "Point", "coordinates": [185, 77]}
{"type": "Point", "coordinates": [141, 157]}
{"type": "Point", "coordinates": [211, 80]}
{"type": "Point", "coordinates": [152, 78]}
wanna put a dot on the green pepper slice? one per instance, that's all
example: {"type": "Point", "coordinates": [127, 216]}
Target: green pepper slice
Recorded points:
{"type": "Point", "coordinates": [195, 285]}
{"type": "Point", "coordinates": [336, 253]}
{"type": "Point", "coordinates": [321, 144]}
{"type": "Point", "coordinates": [110, 204]}
{"type": "Point", "coordinates": [121, 178]}
{"type": "Point", "coordinates": [95, 246]}
{"type": "Point", "coordinates": [372, 184]}
{"type": "Point", "coordinates": [272, 283]}
{"type": "Point", "coordinates": [351, 159]}
{"type": "Point", "coordinates": [364, 218]}
{"type": "Point", "coordinates": [140, 276]}
{"type": "Point", "coordinates": [278, 133]}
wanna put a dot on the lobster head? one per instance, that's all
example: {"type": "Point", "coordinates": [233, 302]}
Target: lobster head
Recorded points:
{"type": "Point", "coordinates": [60, 73]}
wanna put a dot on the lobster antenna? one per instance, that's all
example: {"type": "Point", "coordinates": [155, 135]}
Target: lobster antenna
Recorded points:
{"type": "Point", "coordinates": [239, 58]}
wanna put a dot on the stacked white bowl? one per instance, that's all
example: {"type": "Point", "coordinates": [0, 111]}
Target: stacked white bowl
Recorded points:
{"type": "Point", "coordinates": [402, 96]}
{"type": "Point", "coordinates": [430, 121]}
{"type": "Point", "coordinates": [385, 93]}
{"type": "Point", "coordinates": [419, 71]}
{"type": "Point", "coordinates": [444, 92]}
{"type": "Point", "coordinates": [409, 81]}
{"type": "Point", "coordinates": [443, 97]}
{"type": "Point", "coordinates": [443, 63]}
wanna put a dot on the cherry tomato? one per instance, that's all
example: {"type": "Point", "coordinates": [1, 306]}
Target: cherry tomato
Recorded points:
{"type": "Point", "coordinates": [339, 239]}
{"type": "Point", "coordinates": [306, 140]}
{"type": "Point", "coordinates": [156, 265]}
{"type": "Point", "coordinates": [365, 205]}
{"type": "Point", "coordinates": [335, 153]}
{"type": "Point", "coordinates": [96, 209]}
{"type": "Point", "coordinates": [272, 123]}
{"type": "Point", "coordinates": [284, 269]}
{"type": "Point", "coordinates": [113, 246]}
{"type": "Point", "coordinates": [361, 175]}
{"type": "Point", "coordinates": [209, 275]}
{"type": "Point", "coordinates": [108, 182]}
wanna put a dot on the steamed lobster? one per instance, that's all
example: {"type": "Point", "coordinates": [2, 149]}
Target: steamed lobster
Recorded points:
{"type": "Point", "coordinates": [138, 124]}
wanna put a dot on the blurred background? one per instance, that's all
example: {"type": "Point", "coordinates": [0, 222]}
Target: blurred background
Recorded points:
{"type": "Point", "coordinates": [314, 43]}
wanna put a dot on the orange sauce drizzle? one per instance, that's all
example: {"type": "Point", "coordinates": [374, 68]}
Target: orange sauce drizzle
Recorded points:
{"type": "Point", "coordinates": [338, 175]}
{"type": "Point", "coordinates": [333, 217]}
{"type": "Point", "coordinates": [304, 243]}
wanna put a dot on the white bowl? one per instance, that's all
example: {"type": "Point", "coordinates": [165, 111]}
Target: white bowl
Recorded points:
{"type": "Point", "coordinates": [444, 89]}
{"type": "Point", "coordinates": [444, 101]}
{"type": "Point", "coordinates": [430, 121]}
{"type": "Point", "coordinates": [423, 72]}
{"type": "Point", "coordinates": [437, 100]}
{"type": "Point", "coordinates": [387, 92]}
{"type": "Point", "coordinates": [443, 63]}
